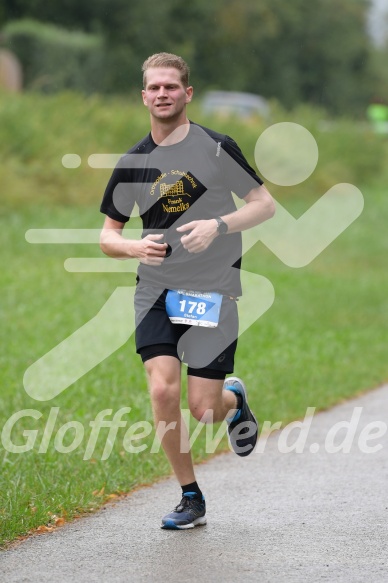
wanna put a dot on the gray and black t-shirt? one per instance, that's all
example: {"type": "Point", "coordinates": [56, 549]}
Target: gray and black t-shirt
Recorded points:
{"type": "Point", "coordinates": [173, 185]}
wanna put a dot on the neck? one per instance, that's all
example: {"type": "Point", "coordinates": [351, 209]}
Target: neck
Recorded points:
{"type": "Point", "coordinates": [169, 132]}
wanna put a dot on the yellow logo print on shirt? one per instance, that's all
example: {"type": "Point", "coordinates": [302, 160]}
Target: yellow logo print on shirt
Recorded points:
{"type": "Point", "coordinates": [172, 189]}
{"type": "Point", "coordinates": [173, 193]}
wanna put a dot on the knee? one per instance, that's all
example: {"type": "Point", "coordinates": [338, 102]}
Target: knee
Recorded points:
{"type": "Point", "coordinates": [165, 395]}
{"type": "Point", "coordinates": [202, 411]}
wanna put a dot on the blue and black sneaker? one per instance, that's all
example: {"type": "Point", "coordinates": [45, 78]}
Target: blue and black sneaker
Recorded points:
{"type": "Point", "coordinates": [243, 427]}
{"type": "Point", "coordinates": [190, 512]}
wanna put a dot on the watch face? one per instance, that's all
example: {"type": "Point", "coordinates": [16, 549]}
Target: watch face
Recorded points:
{"type": "Point", "coordinates": [222, 227]}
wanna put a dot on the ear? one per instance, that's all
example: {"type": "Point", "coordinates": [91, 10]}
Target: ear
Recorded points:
{"type": "Point", "coordinates": [143, 94]}
{"type": "Point", "coordinates": [189, 94]}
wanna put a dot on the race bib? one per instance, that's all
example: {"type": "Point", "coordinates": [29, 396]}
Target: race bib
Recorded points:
{"type": "Point", "coordinates": [193, 307]}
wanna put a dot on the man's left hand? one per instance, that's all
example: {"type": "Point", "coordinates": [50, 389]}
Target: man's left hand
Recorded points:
{"type": "Point", "coordinates": [202, 234]}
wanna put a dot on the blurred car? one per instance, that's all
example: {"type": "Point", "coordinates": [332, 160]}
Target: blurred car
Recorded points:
{"type": "Point", "coordinates": [234, 103]}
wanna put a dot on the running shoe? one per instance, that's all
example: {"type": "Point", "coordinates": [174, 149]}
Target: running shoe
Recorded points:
{"type": "Point", "coordinates": [242, 439]}
{"type": "Point", "coordinates": [190, 512]}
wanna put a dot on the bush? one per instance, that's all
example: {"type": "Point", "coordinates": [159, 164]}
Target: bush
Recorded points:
{"type": "Point", "coordinates": [54, 59]}
{"type": "Point", "coordinates": [37, 130]}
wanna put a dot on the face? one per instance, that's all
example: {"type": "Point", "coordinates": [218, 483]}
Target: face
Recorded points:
{"type": "Point", "coordinates": [164, 94]}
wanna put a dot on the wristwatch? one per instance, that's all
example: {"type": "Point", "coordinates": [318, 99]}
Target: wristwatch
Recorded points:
{"type": "Point", "coordinates": [222, 227]}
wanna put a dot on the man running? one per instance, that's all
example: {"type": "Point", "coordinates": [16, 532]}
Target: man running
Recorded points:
{"type": "Point", "coordinates": [181, 176]}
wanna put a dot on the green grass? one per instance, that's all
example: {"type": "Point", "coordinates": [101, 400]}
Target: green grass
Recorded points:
{"type": "Point", "coordinates": [323, 340]}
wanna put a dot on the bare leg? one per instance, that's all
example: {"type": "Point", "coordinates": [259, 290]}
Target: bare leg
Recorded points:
{"type": "Point", "coordinates": [208, 401]}
{"type": "Point", "coordinates": [164, 378]}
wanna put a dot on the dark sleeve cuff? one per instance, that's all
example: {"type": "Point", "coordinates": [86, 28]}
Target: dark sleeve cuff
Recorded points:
{"type": "Point", "coordinates": [114, 215]}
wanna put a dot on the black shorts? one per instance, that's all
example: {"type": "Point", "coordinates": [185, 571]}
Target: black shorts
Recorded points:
{"type": "Point", "coordinates": [208, 352]}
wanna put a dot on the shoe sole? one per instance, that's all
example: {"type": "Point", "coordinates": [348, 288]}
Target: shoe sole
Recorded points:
{"type": "Point", "coordinates": [231, 379]}
{"type": "Point", "coordinates": [170, 524]}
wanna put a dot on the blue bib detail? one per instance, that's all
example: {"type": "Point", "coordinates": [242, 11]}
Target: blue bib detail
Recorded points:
{"type": "Point", "coordinates": [193, 307]}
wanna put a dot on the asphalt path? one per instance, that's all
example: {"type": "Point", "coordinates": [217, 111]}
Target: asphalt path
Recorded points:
{"type": "Point", "coordinates": [275, 516]}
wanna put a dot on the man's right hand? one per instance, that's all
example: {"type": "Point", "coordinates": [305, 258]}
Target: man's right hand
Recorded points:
{"type": "Point", "coordinates": [149, 251]}
{"type": "Point", "coordinates": [146, 250]}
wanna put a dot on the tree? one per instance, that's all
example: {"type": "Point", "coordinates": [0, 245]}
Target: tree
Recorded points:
{"type": "Point", "coordinates": [317, 52]}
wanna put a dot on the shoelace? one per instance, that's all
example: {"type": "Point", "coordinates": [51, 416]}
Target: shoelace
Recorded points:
{"type": "Point", "coordinates": [183, 504]}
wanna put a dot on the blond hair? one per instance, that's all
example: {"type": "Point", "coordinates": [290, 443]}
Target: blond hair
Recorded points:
{"type": "Point", "coordinates": [167, 60]}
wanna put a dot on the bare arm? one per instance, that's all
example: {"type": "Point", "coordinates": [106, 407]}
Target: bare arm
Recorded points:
{"type": "Point", "coordinates": [146, 250]}
{"type": "Point", "coordinates": [259, 207]}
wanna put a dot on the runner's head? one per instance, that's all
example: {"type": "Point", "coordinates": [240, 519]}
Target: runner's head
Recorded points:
{"type": "Point", "coordinates": [165, 60]}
